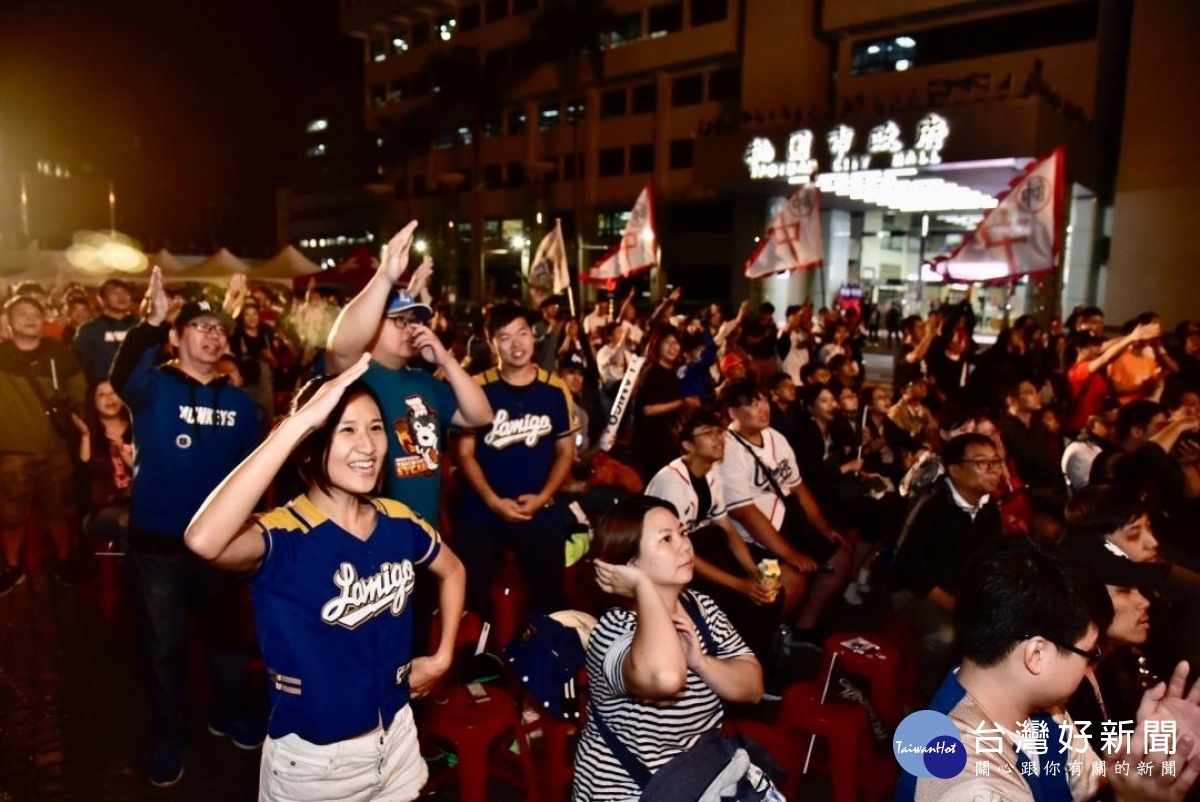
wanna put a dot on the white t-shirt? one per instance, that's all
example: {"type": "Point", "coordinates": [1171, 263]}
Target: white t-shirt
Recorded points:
{"type": "Point", "coordinates": [673, 484]}
{"type": "Point", "coordinates": [798, 354]}
{"type": "Point", "coordinates": [743, 481]}
{"type": "Point", "coordinates": [593, 323]}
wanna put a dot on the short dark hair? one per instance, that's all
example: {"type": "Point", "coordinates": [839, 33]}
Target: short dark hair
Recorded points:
{"type": "Point", "coordinates": [619, 533]}
{"type": "Point", "coordinates": [1096, 511]}
{"type": "Point", "coordinates": [15, 301]}
{"type": "Point", "coordinates": [311, 456]}
{"type": "Point", "coordinates": [809, 369]}
{"type": "Point", "coordinates": [837, 362]}
{"type": "Point", "coordinates": [809, 393]}
{"type": "Point", "coordinates": [503, 314]}
{"type": "Point", "coordinates": [793, 309]}
{"type": "Point", "coordinates": [775, 380]}
{"type": "Point", "coordinates": [1019, 589]}
{"type": "Point", "coordinates": [909, 323]}
{"type": "Point", "coordinates": [1013, 390]}
{"type": "Point", "coordinates": [955, 451]}
{"type": "Point", "coordinates": [1137, 415]}
{"type": "Point", "coordinates": [740, 393]}
{"type": "Point", "coordinates": [693, 419]}
{"type": "Point", "coordinates": [766, 306]}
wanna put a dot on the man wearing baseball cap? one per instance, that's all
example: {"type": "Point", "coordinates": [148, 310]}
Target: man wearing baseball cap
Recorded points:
{"type": "Point", "coordinates": [99, 338]}
{"type": "Point", "coordinates": [390, 323]}
{"type": "Point", "coordinates": [191, 428]}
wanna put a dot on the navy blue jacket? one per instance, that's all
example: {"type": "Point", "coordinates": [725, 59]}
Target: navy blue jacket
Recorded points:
{"type": "Point", "coordinates": [187, 436]}
{"type": "Point", "coordinates": [97, 342]}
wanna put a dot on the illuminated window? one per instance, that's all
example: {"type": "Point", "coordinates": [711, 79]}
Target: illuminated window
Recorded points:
{"type": "Point", "coordinates": [626, 28]}
{"type": "Point", "coordinates": [446, 26]}
{"type": "Point", "coordinates": [316, 125]}
{"type": "Point", "coordinates": [399, 42]}
{"type": "Point", "coordinates": [576, 110]}
{"type": "Point", "coordinates": [317, 150]}
{"type": "Point", "coordinates": [378, 49]}
{"type": "Point", "coordinates": [883, 55]}
{"type": "Point", "coordinates": [549, 116]}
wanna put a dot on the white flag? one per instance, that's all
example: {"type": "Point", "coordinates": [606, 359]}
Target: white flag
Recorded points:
{"type": "Point", "coordinates": [638, 249]}
{"type": "Point", "coordinates": [793, 240]}
{"type": "Point", "coordinates": [548, 270]}
{"type": "Point", "coordinates": [624, 394]}
{"type": "Point", "coordinates": [1020, 236]}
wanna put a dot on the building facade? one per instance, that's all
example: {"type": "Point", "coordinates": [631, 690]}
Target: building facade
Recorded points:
{"type": "Point", "coordinates": [677, 93]}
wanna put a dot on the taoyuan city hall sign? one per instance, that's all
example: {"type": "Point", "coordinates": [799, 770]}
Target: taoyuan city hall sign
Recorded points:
{"type": "Point", "coordinates": [885, 150]}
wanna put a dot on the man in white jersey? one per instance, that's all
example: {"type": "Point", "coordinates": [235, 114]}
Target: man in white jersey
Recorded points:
{"type": "Point", "coordinates": [776, 514]}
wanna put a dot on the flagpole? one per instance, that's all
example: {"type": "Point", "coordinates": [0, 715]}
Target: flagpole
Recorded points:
{"type": "Point", "coordinates": [563, 247]}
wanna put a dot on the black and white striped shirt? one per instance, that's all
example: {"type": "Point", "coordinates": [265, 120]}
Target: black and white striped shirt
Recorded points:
{"type": "Point", "coordinates": [654, 731]}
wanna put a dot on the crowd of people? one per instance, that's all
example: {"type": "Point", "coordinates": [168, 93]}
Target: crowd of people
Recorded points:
{"type": "Point", "coordinates": [1025, 508]}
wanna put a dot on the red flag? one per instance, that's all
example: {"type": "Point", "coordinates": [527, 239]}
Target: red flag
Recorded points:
{"type": "Point", "coordinates": [1021, 235]}
{"type": "Point", "coordinates": [637, 251]}
{"type": "Point", "coordinates": [793, 240]}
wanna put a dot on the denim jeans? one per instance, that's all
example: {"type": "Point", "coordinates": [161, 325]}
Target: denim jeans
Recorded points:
{"type": "Point", "coordinates": [169, 587]}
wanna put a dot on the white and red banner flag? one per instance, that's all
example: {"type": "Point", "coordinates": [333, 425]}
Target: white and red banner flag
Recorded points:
{"type": "Point", "coordinates": [793, 240]}
{"type": "Point", "coordinates": [1021, 235]}
{"type": "Point", "coordinates": [637, 251]}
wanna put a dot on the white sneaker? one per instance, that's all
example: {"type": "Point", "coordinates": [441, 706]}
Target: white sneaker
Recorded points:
{"type": "Point", "coordinates": [851, 595]}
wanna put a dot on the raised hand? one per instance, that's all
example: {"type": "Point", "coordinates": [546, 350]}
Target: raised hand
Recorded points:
{"type": "Point", "coordinates": [318, 408]}
{"type": "Point", "coordinates": [689, 638]}
{"type": "Point", "coordinates": [395, 262]}
{"type": "Point", "coordinates": [425, 341]}
{"type": "Point", "coordinates": [620, 580]}
{"type": "Point", "coordinates": [420, 276]}
{"type": "Point", "coordinates": [156, 300]}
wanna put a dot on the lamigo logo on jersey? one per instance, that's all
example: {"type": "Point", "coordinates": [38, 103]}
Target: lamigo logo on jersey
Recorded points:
{"type": "Point", "coordinates": [528, 428]}
{"type": "Point", "coordinates": [928, 744]}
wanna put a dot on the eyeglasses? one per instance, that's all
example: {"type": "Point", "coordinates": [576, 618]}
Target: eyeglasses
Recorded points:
{"type": "Point", "coordinates": [404, 321]}
{"type": "Point", "coordinates": [1092, 656]}
{"type": "Point", "coordinates": [210, 328]}
{"type": "Point", "coordinates": [711, 431]}
{"type": "Point", "coordinates": [987, 464]}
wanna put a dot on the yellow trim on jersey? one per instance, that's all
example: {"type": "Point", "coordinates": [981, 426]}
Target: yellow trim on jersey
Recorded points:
{"type": "Point", "coordinates": [492, 375]}
{"type": "Point", "coordinates": [300, 514]}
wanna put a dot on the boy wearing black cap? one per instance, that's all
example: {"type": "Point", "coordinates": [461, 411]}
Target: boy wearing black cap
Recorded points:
{"type": "Point", "coordinates": [99, 338]}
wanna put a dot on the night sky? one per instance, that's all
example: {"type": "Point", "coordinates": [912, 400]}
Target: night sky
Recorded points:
{"type": "Point", "coordinates": [189, 106]}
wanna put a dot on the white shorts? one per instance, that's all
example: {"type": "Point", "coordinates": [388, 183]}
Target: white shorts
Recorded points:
{"type": "Point", "coordinates": [382, 765]}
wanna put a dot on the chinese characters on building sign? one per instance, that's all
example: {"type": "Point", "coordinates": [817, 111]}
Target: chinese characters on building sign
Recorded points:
{"type": "Point", "coordinates": [885, 148]}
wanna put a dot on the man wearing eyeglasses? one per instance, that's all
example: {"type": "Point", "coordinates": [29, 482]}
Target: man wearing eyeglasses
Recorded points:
{"type": "Point", "coordinates": [191, 428]}
{"type": "Point", "coordinates": [391, 323]}
{"type": "Point", "coordinates": [1029, 627]}
{"type": "Point", "coordinates": [944, 526]}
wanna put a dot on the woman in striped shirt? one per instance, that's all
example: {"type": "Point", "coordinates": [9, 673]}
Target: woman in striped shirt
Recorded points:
{"type": "Point", "coordinates": [653, 680]}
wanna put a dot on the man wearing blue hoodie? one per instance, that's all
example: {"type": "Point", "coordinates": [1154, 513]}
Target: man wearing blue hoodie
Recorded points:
{"type": "Point", "coordinates": [99, 338]}
{"type": "Point", "coordinates": [191, 429]}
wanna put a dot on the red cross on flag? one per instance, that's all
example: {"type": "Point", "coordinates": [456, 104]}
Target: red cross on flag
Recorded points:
{"type": "Point", "coordinates": [637, 251]}
{"type": "Point", "coordinates": [1021, 235]}
{"type": "Point", "coordinates": [793, 240]}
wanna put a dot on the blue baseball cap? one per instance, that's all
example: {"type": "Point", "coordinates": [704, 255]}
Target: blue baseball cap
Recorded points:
{"type": "Point", "coordinates": [401, 301]}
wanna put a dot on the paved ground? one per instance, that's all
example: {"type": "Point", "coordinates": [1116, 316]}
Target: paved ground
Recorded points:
{"type": "Point", "coordinates": [73, 714]}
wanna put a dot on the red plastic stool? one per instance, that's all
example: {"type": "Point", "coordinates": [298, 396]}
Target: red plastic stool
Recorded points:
{"type": "Point", "coordinates": [783, 746]}
{"type": "Point", "coordinates": [844, 728]}
{"type": "Point", "coordinates": [897, 632]}
{"type": "Point", "coordinates": [880, 666]}
{"type": "Point", "coordinates": [558, 758]}
{"type": "Point", "coordinates": [474, 728]}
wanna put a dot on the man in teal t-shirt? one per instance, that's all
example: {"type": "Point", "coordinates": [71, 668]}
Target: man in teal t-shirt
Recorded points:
{"type": "Point", "coordinates": [390, 323]}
